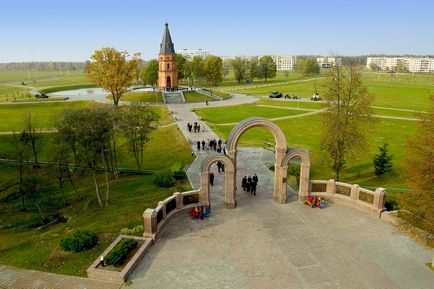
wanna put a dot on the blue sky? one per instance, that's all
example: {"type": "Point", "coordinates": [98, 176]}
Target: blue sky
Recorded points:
{"type": "Point", "coordinates": [71, 30]}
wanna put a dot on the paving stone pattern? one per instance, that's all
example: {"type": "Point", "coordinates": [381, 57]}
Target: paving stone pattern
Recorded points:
{"type": "Point", "coordinates": [17, 278]}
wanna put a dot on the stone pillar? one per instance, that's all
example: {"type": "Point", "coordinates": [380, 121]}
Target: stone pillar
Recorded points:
{"type": "Point", "coordinates": [163, 208]}
{"type": "Point", "coordinates": [331, 187]}
{"type": "Point", "coordinates": [280, 184]}
{"type": "Point", "coordinates": [280, 173]}
{"type": "Point", "coordinates": [230, 192]}
{"type": "Point", "coordinates": [204, 189]}
{"type": "Point", "coordinates": [303, 190]}
{"type": "Point", "coordinates": [379, 198]}
{"type": "Point", "coordinates": [179, 200]}
{"type": "Point", "coordinates": [150, 223]}
{"type": "Point", "coordinates": [355, 190]}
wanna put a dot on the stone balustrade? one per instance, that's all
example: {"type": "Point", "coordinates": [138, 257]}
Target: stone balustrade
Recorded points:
{"type": "Point", "coordinates": [353, 195]}
{"type": "Point", "coordinates": [155, 220]}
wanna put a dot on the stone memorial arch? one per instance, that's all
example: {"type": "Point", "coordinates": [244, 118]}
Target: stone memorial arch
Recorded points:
{"type": "Point", "coordinates": [283, 156]}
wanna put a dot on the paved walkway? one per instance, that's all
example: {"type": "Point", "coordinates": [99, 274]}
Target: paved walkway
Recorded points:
{"type": "Point", "coordinates": [261, 244]}
{"type": "Point", "coordinates": [17, 278]}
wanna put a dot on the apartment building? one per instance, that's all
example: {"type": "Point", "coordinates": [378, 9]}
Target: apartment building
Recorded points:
{"type": "Point", "coordinates": [284, 62]}
{"type": "Point", "coordinates": [190, 53]}
{"type": "Point", "coordinates": [328, 62]}
{"type": "Point", "coordinates": [410, 64]}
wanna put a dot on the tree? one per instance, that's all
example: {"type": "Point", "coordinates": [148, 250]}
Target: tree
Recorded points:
{"type": "Point", "coordinates": [31, 137]}
{"type": "Point", "coordinates": [300, 64]}
{"type": "Point", "coordinates": [149, 73]}
{"type": "Point", "coordinates": [382, 161]}
{"type": "Point", "coordinates": [267, 67]}
{"type": "Point", "coordinates": [139, 67]}
{"type": "Point", "coordinates": [213, 69]}
{"type": "Point", "coordinates": [21, 155]}
{"type": "Point", "coordinates": [311, 66]}
{"type": "Point", "coordinates": [180, 62]}
{"type": "Point", "coordinates": [347, 114]}
{"type": "Point", "coordinates": [419, 168]}
{"type": "Point", "coordinates": [239, 66]}
{"type": "Point", "coordinates": [111, 71]}
{"type": "Point", "coordinates": [137, 123]}
{"type": "Point", "coordinates": [197, 68]}
{"type": "Point", "coordinates": [373, 66]}
{"type": "Point", "coordinates": [253, 70]}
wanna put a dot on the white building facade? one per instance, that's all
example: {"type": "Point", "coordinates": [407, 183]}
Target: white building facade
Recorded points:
{"type": "Point", "coordinates": [190, 53]}
{"type": "Point", "coordinates": [328, 62]}
{"type": "Point", "coordinates": [284, 62]}
{"type": "Point", "coordinates": [410, 64]}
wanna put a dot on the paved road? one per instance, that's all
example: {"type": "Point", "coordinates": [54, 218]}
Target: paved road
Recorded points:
{"type": "Point", "coordinates": [17, 278]}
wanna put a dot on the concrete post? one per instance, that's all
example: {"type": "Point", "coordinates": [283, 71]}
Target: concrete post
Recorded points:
{"type": "Point", "coordinates": [150, 223]}
{"type": "Point", "coordinates": [354, 194]}
{"type": "Point", "coordinates": [230, 195]}
{"type": "Point", "coordinates": [331, 187]}
{"type": "Point", "coordinates": [179, 200]}
{"type": "Point", "coordinates": [279, 193]}
{"type": "Point", "coordinates": [303, 190]}
{"type": "Point", "coordinates": [379, 198]}
{"type": "Point", "coordinates": [163, 208]}
{"type": "Point", "coordinates": [204, 189]}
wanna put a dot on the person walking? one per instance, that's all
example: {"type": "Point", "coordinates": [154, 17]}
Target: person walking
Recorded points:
{"type": "Point", "coordinates": [248, 184]}
{"type": "Point", "coordinates": [253, 188]}
{"type": "Point", "coordinates": [219, 166]}
{"type": "Point", "coordinates": [211, 179]}
{"type": "Point", "coordinates": [203, 145]}
{"type": "Point", "coordinates": [244, 183]}
{"type": "Point", "coordinates": [255, 179]}
{"type": "Point", "coordinates": [198, 145]}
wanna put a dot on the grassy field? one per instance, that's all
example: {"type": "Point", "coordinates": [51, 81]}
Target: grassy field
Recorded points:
{"type": "Point", "coordinates": [17, 76]}
{"type": "Point", "coordinates": [142, 96]}
{"type": "Point", "coordinates": [236, 113]}
{"type": "Point", "coordinates": [12, 93]}
{"type": "Point", "coordinates": [290, 103]}
{"type": "Point", "coordinates": [193, 96]}
{"type": "Point", "coordinates": [221, 94]}
{"type": "Point", "coordinates": [27, 247]}
{"type": "Point", "coordinates": [305, 132]}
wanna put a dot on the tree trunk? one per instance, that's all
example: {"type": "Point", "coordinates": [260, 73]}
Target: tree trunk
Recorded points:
{"type": "Point", "coordinates": [107, 193]}
{"type": "Point", "coordinates": [71, 181]}
{"type": "Point", "coordinates": [20, 189]}
{"type": "Point", "coordinates": [97, 188]}
{"type": "Point", "coordinates": [115, 169]}
{"type": "Point", "coordinates": [61, 185]}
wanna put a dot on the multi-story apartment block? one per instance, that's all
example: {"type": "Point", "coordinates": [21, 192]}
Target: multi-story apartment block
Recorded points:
{"type": "Point", "coordinates": [328, 62]}
{"type": "Point", "coordinates": [190, 53]}
{"type": "Point", "coordinates": [410, 64]}
{"type": "Point", "coordinates": [284, 62]}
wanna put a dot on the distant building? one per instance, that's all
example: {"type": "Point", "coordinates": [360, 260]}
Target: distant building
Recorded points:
{"type": "Point", "coordinates": [410, 64]}
{"type": "Point", "coordinates": [190, 53]}
{"type": "Point", "coordinates": [284, 62]}
{"type": "Point", "coordinates": [328, 62]}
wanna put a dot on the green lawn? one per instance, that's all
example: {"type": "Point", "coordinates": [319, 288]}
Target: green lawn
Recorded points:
{"type": "Point", "coordinates": [26, 247]}
{"type": "Point", "coordinates": [236, 113]}
{"type": "Point", "coordinates": [221, 94]}
{"type": "Point", "coordinates": [11, 93]}
{"type": "Point", "coordinates": [142, 96]}
{"type": "Point", "coordinates": [305, 132]}
{"type": "Point", "coordinates": [17, 76]}
{"type": "Point", "coordinates": [193, 96]}
{"type": "Point", "coordinates": [290, 103]}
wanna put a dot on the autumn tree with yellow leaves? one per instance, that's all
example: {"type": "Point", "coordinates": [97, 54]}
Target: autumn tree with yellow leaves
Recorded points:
{"type": "Point", "coordinates": [112, 71]}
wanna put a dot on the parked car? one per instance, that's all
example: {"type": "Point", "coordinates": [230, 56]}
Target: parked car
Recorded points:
{"type": "Point", "coordinates": [315, 97]}
{"type": "Point", "coordinates": [296, 97]}
{"type": "Point", "coordinates": [276, 94]}
{"type": "Point", "coordinates": [287, 96]}
{"type": "Point", "coordinates": [41, 95]}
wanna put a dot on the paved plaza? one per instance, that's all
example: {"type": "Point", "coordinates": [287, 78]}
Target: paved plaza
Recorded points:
{"type": "Point", "coordinates": [261, 244]}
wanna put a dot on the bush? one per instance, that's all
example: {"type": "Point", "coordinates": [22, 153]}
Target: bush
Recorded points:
{"type": "Point", "coordinates": [164, 180]}
{"type": "Point", "coordinates": [180, 175]}
{"type": "Point", "coordinates": [391, 205]}
{"type": "Point", "coordinates": [134, 231]}
{"type": "Point", "coordinates": [120, 253]}
{"type": "Point", "coordinates": [79, 241]}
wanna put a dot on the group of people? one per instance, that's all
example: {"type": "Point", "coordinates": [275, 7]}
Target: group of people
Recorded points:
{"type": "Point", "coordinates": [249, 184]}
{"type": "Point", "coordinates": [195, 127]}
{"type": "Point", "coordinates": [211, 144]}
{"type": "Point", "coordinates": [220, 168]}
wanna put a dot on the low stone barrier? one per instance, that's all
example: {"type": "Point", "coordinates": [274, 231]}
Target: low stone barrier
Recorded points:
{"type": "Point", "coordinates": [156, 220]}
{"type": "Point", "coordinates": [352, 195]}
{"type": "Point", "coordinates": [104, 274]}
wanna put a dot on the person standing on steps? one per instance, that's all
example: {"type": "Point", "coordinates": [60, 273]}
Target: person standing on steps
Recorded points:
{"type": "Point", "coordinates": [211, 179]}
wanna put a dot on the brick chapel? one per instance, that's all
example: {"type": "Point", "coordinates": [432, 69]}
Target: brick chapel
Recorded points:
{"type": "Point", "coordinates": [167, 73]}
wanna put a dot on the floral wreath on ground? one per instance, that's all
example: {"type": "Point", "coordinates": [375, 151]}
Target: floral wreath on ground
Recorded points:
{"type": "Point", "coordinates": [199, 212]}
{"type": "Point", "coordinates": [315, 202]}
